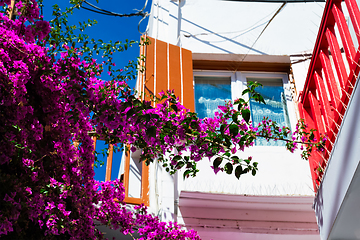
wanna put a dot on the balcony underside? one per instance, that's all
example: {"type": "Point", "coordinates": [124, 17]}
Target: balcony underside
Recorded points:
{"type": "Point", "coordinates": [225, 216]}
{"type": "Point", "coordinates": [337, 201]}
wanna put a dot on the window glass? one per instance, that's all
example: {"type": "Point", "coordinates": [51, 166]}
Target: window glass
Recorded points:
{"type": "Point", "coordinates": [116, 162]}
{"type": "Point", "coordinates": [100, 167]}
{"type": "Point", "coordinates": [275, 107]}
{"type": "Point", "coordinates": [211, 92]}
{"type": "Point", "coordinates": [135, 175]}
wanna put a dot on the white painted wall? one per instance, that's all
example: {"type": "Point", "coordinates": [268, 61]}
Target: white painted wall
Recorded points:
{"type": "Point", "coordinates": [336, 202]}
{"type": "Point", "coordinates": [281, 173]}
{"type": "Point", "coordinates": [215, 26]}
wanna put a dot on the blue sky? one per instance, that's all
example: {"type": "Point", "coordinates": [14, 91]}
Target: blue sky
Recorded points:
{"type": "Point", "coordinates": [109, 28]}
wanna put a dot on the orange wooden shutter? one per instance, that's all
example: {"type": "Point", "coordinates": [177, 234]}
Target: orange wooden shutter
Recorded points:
{"type": "Point", "coordinates": [168, 67]}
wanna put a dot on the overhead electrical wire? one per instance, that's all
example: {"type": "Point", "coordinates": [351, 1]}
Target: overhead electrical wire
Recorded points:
{"type": "Point", "coordinates": [106, 12]}
{"type": "Point", "coordinates": [248, 29]}
{"type": "Point", "coordinates": [277, 12]}
{"type": "Point", "coordinates": [93, 8]}
{"type": "Point", "coordinates": [252, 27]}
{"type": "Point", "coordinates": [278, 1]}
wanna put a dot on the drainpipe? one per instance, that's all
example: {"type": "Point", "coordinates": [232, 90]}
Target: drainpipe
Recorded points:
{"type": "Point", "coordinates": [176, 175]}
{"type": "Point", "coordinates": [176, 197]}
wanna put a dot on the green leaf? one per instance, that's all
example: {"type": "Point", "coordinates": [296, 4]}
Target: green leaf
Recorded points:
{"type": "Point", "coordinates": [177, 158]}
{"type": "Point", "coordinates": [217, 162]}
{"type": "Point", "coordinates": [239, 101]}
{"type": "Point", "coordinates": [236, 159]}
{"type": "Point", "coordinates": [253, 172]}
{"type": "Point", "coordinates": [239, 107]}
{"type": "Point", "coordinates": [245, 91]}
{"type": "Point", "coordinates": [147, 117]}
{"type": "Point", "coordinates": [261, 99]}
{"type": "Point", "coordinates": [258, 98]}
{"type": "Point", "coordinates": [238, 171]}
{"type": "Point", "coordinates": [180, 164]}
{"type": "Point", "coordinates": [245, 113]}
{"type": "Point", "coordinates": [311, 136]}
{"type": "Point", "coordinates": [194, 125]}
{"type": "Point", "coordinates": [222, 128]}
{"type": "Point", "coordinates": [174, 107]}
{"type": "Point", "coordinates": [151, 131]}
{"type": "Point", "coordinates": [130, 113]}
{"type": "Point", "coordinates": [187, 173]}
{"type": "Point", "coordinates": [234, 129]}
{"type": "Point", "coordinates": [228, 168]}
{"type": "Point", "coordinates": [235, 117]}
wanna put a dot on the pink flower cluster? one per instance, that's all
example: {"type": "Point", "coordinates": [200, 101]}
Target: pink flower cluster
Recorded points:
{"type": "Point", "coordinates": [46, 153]}
{"type": "Point", "coordinates": [49, 105]}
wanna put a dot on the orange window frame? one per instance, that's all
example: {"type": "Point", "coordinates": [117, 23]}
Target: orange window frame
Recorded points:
{"type": "Point", "coordinates": [144, 183]}
{"type": "Point", "coordinates": [144, 177]}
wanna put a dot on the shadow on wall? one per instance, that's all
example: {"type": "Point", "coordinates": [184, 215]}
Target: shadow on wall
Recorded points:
{"type": "Point", "coordinates": [111, 233]}
{"type": "Point", "coordinates": [189, 35]}
{"type": "Point", "coordinates": [340, 172]}
{"type": "Point", "coordinates": [318, 207]}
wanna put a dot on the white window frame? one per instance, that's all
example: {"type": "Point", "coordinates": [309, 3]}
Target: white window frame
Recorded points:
{"type": "Point", "coordinates": [232, 76]}
{"type": "Point", "coordinates": [239, 81]}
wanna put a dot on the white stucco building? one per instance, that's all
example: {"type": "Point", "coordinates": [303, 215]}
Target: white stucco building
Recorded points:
{"type": "Point", "coordinates": [305, 56]}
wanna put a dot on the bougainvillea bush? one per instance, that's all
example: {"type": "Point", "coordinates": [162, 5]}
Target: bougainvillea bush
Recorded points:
{"type": "Point", "coordinates": [52, 102]}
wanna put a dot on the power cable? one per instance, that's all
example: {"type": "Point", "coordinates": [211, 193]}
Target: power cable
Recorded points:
{"type": "Point", "coordinates": [277, 12]}
{"type": "Point", "coordinates": [95, 11]}
{"type": "Point", "coordinates": [106, 12]}
{"type": "Point", "coordinates": [252, 27]}
{"type": "Point", "coordinates": [93, 8]}
{"type": "Point", "coordinates": [278, 1]}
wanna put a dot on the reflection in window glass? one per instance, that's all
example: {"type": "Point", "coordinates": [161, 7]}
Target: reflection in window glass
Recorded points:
{"type": "Point", "coordinates": [211, 92]}
{"type": "Point", "coordinates": [135, 175]}
{"type": "Point", "coordinates": [275, 107]}
{"type": "Point", "coordinates": [116, 161]}
{"type": "Point", "coordinates": [100, 171]}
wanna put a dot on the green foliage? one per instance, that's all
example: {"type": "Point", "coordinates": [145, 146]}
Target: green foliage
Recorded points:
{"type": "Point", "coordinates": [66, 37]}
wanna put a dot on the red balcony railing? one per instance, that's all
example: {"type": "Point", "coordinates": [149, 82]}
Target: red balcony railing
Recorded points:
{"type": "Point", "coordinates": [332, 74]}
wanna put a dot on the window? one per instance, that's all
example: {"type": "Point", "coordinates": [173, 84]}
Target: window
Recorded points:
{"type": "Point", "coordinates": [214, 88]}
{"type": "Point", "coordinates": [127, 168]}
{"type": "Point", "coordinates": [136, 179]}
{"type": "Point", "coordinates": [274, 109]}
{"type": "Point", "coordinates": [110, 168]}
{"type": "Point", "coordinates": [211, 92]}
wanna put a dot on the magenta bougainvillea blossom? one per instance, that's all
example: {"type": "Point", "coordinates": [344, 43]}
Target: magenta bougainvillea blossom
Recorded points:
{"type": "Point", "coordinates": [50, 104]}
{"type": "Point", "coordinates": [45, 106]}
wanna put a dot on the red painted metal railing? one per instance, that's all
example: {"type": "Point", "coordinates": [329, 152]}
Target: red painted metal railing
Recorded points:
{"type": "Point", "coordinates": [332, 74]}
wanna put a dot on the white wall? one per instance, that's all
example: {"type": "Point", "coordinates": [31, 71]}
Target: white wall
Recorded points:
{"type": "Point", "coordinates": [281, 173]}
{"type": "Point", "coordinates": [215, 26]}
{"type": "Point", "coordinates": [337, 200]}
